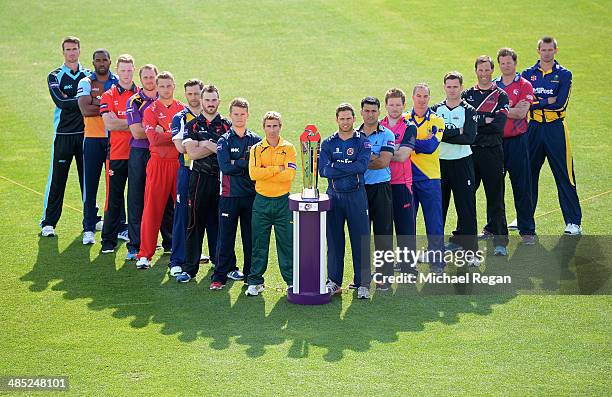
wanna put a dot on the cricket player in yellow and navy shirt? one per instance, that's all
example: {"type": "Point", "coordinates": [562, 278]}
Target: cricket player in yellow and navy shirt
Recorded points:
{"type": "Point", "coordinates": [426, 171]}
{"type": "Point", "coordinates": [548, 133]}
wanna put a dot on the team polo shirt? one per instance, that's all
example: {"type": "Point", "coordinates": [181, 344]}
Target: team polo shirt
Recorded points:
{"type": "Point", "coordinates": [264, 167]}
{"type": "Point", "coordinates": [381, 140]}
{"type": "Point", "coordinates": [94, 125]}
{"type": "Point", "coordinates": [459, 129]}
{"type": "Point", "coordinates": [556, 82]}
{"type": "Point", "coordinates": [201, 129]}
{"type": "Point", "coordinates": [158, 114]}
{"type": "Point", "coordinates": [235, 180]}
{"type": "Point", "coordinates": [518, 90]}
{"type": "Point", "coordinates": [115, 100]}
{"type": "Point", "coordinates": [136, 107]}
{"type": "Point", "coordinates": [425, 160]}
{"type": "Point", "coordinates": [63, 84]}
{"type": "Point", "coordinates": [405, 136]}
{"type": "Point", "coordinates": [344, 162]}
{"type": "Point", "coordinates": [179, 121]}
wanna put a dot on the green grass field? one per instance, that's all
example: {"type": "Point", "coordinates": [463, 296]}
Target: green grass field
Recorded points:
{"type": "Point", "coordinates": [66, 310]}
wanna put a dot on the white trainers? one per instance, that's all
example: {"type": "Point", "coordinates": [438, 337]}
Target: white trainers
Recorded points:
{"type": "Point", "coordinates": [254, 290]}
{"type": "Point", "coordinates": [175, 271]}
{"type": "Point", "coordinates": [513, 225]}
{"type": "Point", "coordinates": [143, 263]}
{"type": "Point", "coordinates": [99, 226]}
{"type": "Point", "coordinates": [123, 236]}
{"type": "Point", "coordinates": [333, 288]}
{"type": "Point", "coordinates": [573, 230]}
{"type": "Point", "coordinates": [474, 262]}
{"type": "Point", "coordinates": [363, 293]}
{"type": "Point", "coordinates": [47, 231]}
{"type": "Point", "coordinates": [88, 238]}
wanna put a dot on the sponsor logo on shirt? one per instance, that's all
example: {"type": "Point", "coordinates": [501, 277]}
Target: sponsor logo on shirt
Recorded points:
{"type": "Point", "coordinates": [542, 90]}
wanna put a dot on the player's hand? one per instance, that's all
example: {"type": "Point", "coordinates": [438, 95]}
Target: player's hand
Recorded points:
{"type": "Point", "coordinates": [489, 120]}
{"type": "Point", "coordinates": [232, 162]}
{"type": "Point", "coordinates": [159, 129]}
{"type": "Point", "coordinates": [281, 168]}
{"type": "Point", "coordinates": [552, 100]}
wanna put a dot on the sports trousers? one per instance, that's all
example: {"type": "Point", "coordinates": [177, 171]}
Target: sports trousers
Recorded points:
{"type": "Point", "coordinates": [160, 187]}
{"type": "Point", "coordinates": [352, 208]}
{"type": "Point", "coordinates": [457, 177]}
{"type": "Point", "coordinates": [404, 220]}
{"type": "Point", "coordinates": [181, 217]}
{"type": "Point", "coordinates": [517, 164]}
{"type": "Point", "coordinates": [269, 212]}
{"type": "Point", "coordinates": [116, 178]}
{"type": "Point", "coordinates": [65, 147]}
{"type": "Point", "coordinates": [380, 210]}
{"type": "Point", "coordinates": [428, 195]}
{"type": "Point", "coordinates": [203, 217]}
{"type": "Point", "coordinates": [489, 169]}
{"type": "Point", "coordinates": [551, 141]}
{"type": "Point", "coordinates": [137, 179]}
{"type": "Point", "coordinates": [232, 210]}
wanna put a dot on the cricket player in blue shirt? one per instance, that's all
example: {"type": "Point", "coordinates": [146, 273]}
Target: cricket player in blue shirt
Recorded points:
{"type": "Point", "coordinates": [344, 158]}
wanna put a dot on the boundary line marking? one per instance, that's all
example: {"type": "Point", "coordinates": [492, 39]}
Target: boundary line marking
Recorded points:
{"type": "Point", "coordinates": [38, 193]}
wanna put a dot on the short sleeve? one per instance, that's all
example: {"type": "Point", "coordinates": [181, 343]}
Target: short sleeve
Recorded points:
{"type": "Point", "coordinates": [84, 87]}
{"type": "Point", "coordinates": [106, 102]}
{"type": "Point", "coordinates": [132, 113]}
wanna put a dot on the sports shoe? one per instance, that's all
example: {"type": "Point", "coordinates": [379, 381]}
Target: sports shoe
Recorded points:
{"type": "Point", "coordinates": [47, 231]}
{"type": "Point", "coordinates": [352, 285]}
{"type": "Point", "coordinates": [452, 247]}
{"type": "Point", "coordinates": [99, 226]}
{"type": "Point", "coordinates": [363, 293]}
{"type": "Point", "coordinates": [485, 235]}
{"type": "Point", "coordinates": [204, 259]}
{"type": "Point", "coordinates": [500, 250]}
{"type": "Point", "coordinates": [107, 249]}
{"type": "Point", "coordinates": [382, 287]}
{"type": "Point", "coordinates": [123, 236]}
{"type": "Point", "coordinates": [254, 290]}
{"type": "Point", "coordinates": [88, 238]}
{"type": "Point", "coordinates": [175, 270]}
{"type": "Point", "coordinates": [436, 268]}
{"type": "Point", "coordinates": [216, 285]}
{"type": "Point", "coordinates": [474, 262]}
{"type": "Point", "coordinates": [333, 288]}
{"type": "Point", "coordinates": [235, 275]}
{"type": "Point", "coordinates": [513, 225]}
{"type": "Point", "coordinates": [143, 263]}
{"type": "Point", "coordinates": [131, 256]}
{"type": "Point", "coordinates": [528, 239]}
{"type": "Point", "coordinates": [184, 277]}
{"type": "Point", "coordinates": [573, 230]}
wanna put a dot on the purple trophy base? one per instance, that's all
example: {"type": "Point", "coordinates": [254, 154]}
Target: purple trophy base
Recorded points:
{"type": "Point", "coordinates": [309, 250]}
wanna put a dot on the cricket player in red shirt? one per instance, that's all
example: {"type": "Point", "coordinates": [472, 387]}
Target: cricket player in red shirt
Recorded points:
{"type": "Point", "coordinates": [162, 167]}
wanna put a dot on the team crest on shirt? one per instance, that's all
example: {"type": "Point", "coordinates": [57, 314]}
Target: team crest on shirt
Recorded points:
{"type": "Point", "coordinates": [515, 92]}
{"type": "Point", "coordinates": [367, 145]}
{"type": "Point", "coordinates": [350, 151]}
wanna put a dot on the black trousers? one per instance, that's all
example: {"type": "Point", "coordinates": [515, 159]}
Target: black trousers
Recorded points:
{"type": "Point", "coordinates": [117, 175]}
{"type": "Point", "coordinates": [232, 209]}
{"type": "Point", "coordinates": [203, 217]}
{"type": "Point", "coordinates": [489, 169]}
{"type": "Point", "coordinates": [137, 178]}
{"type": "Point", "coordinates": [457, 177]}
{"type": "Point", "coordinates": [380, 209]}
{"type": "Point", "coordinates": [65, 147]}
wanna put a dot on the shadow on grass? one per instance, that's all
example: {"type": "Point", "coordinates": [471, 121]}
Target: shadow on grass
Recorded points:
{"type": "Point", "coordinates": [191, 311]}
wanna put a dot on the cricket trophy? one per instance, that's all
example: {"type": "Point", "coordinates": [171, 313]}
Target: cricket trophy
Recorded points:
{"type": "Point", "coordinates": [309, 229]}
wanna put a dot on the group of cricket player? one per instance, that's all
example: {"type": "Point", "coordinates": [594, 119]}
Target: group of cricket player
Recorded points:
{"type": "Point", "coordinates": [192, 172]}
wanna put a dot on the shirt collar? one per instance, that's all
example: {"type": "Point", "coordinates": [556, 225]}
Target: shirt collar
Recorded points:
{"type": "Point", "coordinates": [264, 142]}
{"type": "Point", "coordinates": [121, 90]}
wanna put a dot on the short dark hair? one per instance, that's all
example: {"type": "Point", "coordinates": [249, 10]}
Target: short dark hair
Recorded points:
{"type": "Point", "coordinates": [505, 52]}
{"type": "Point", "coordinates": [193, 83]}
{"type": "Point", "coordinates": [454, 75]}
{"type": "Point", "coordinates": [164, 76]}
{"type": "Point", "coordinates": [344, 107]}
{"type": "Point", "coordinates": [370, 100]}
{"type": "Point", "coordinates": [239, 103]}
{"type": "Point", "coordinates": [210, 88]}
{"type": "Point", "coordinates": [395, 93]}
{"type": "Point", "coordinates": [71, 39]}
{"type": "Point", "coordinates": [484, 59]}
{"type": "Point", "coordinates": [547, 40]}
{"type": "Point", "coordinates": [424, 86]}
{"type": "Point", "coordinates": [101, 51]}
